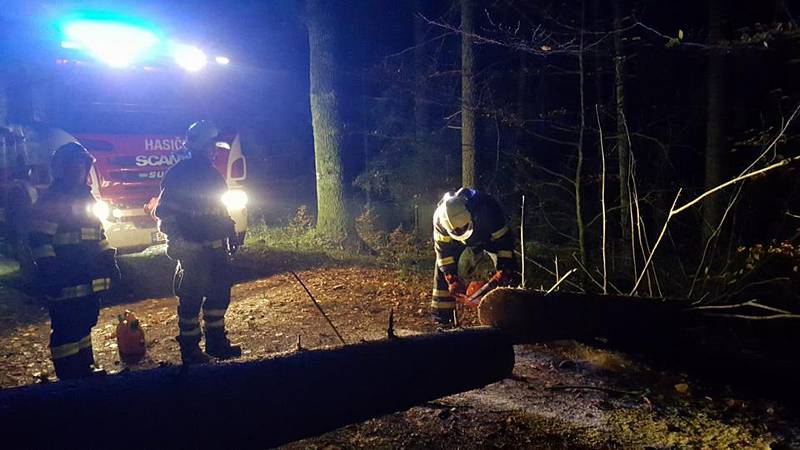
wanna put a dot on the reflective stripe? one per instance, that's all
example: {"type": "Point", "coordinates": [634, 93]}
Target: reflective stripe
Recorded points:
{"type": "Point", "coordinates": [190, 321]}
{"type": "Point", "coordinates": [441, 293]}
{"type": "Point", "coordinates": [438, 237]}
{"type": "Point", "coordinates": [192, 332]}
{"type": "Point", "coordinates": [90, 234]}
{"type": "Point", "coordinates": [445, 261]}
{"type": "Point", "coordinates": [44, 226]}
{"type": "Point", "coordinates": [101, 284]}
{"type": "Point", "coordinates": [213, 312]}
{"type": "Point", "coordinates": [72, 237]}
{"type": "Point", "coordinates": [499, 233]}
{"type": "Point", "coordinates": [76, 237]}
{"type": "Point", "coordinates": [505, 254]}
{"type": "Point", "coordinates": [72, 348]}
{"type": "Point", "coordinates": [82, 290]}
{"type": "Point", "coordinates": [443, 305]}
{"type": "Point", "coordinates": [43, 251]}
{"type": "Point", "coordinates": [216, 323]}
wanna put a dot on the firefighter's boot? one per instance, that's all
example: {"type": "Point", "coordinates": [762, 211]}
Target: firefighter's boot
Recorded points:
{"type": "Point", "coordinates": [191, 352]}
{"type": "Point", "coordinates": [86, 356]}
{"type": "Point", "coordinates": [218, 345]}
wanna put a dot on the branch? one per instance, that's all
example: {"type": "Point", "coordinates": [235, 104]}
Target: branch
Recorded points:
{"type": "Point", "coordinates": [655, 246]}
{"type": "Point", "coordinates": [738, 179]}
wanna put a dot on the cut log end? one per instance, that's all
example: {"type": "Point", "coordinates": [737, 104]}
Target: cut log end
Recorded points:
{"type": "Point", "coordinates": [505, 308]}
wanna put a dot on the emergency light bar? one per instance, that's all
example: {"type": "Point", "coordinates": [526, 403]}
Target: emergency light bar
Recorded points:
{"type": "Point", "coordinates": [116, 44]}
{"type": "Point", "coordinates": [121, 43]}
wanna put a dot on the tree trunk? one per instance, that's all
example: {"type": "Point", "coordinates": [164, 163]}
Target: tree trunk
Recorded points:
{"type": "Point", "coordinates": [333, 221]}
{"type": "Point", "coordinates": [715, 119]}
{"type": "Point", "coordinates": [421, 105]}
{"type": "Point", "coordinates": [623, 152]}
{"type": "Point", "coordinates": [758, 354]}
{"type": "Point", "coordinates": [468, 170]}
{"type": "Point", "coordinates": [579, 147]}
{"type": "Point", "coordinates": [254, 404]}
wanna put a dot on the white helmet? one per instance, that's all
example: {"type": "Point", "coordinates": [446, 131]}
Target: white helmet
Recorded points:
{"type": "Point", "coordinates": [200, 134]}
{"type": "Point", "coordinates": [455, 217]}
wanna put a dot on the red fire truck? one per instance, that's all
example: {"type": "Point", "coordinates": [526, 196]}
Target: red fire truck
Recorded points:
{"type": "Point", "coordinates": [126, 178]}
{"type": "Point", "coordinates": [127, 90]}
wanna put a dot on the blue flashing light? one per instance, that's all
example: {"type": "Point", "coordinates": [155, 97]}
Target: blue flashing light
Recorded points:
{"type": "Point", "coordinates": [115, 43]}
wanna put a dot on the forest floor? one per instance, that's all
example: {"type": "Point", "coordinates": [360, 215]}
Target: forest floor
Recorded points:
{"type": "Point", "coordinates": [561, 395]}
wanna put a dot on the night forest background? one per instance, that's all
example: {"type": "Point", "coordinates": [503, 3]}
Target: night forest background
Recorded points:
{"type": "Point", "coordinates": [598, 113]}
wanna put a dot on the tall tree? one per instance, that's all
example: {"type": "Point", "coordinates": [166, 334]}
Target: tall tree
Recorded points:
{"type": "Point", "coordinates": [468, 172]}
{"type": "Point", "coordinates": [421, 102]}
{"type": "Point", "coordinates": [333, 222]}
{"type": "Point", "coordinates": [623, 152]}
{"type": "Point", "coordinates": [715, 117]}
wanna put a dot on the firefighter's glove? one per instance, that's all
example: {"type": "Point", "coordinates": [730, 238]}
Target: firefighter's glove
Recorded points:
{"type": "Point", "coordinates": [455, 286]}
{"type": "Point", "coordinates": [504, 278]}
{"type": "Point", "coordinates": [180, 249]}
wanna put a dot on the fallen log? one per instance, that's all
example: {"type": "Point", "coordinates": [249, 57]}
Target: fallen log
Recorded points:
{"type": "Point", "coordinates": [261, 403]}
{"type": "Point", "coordinates": [758, 355]}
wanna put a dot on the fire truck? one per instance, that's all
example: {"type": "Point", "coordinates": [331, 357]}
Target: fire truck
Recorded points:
{"type": "Point", "coordinates": [127, 91]}
{"type": "Point", "coordinates": [126, 177]}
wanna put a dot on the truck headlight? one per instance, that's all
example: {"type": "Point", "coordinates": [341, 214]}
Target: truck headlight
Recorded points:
{"type": "Point", "coordinates": [101, 210]}
{"type": "Point", "coordinates": [234, 199]}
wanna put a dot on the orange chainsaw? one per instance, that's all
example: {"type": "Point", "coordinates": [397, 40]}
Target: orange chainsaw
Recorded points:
{"type": "Point", "coordinates": [475, 292]}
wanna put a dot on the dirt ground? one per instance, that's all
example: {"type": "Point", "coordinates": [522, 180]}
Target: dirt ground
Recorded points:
{"type": "Point", "coordinates": [562, 395]}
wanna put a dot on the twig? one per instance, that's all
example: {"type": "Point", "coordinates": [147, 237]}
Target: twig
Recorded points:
{"type": "Point", "coordinates": [754, 303]}
{"type": "Point", "coordinates": [593, 388]}
{"type": "Point", "coordinates": [738, 179]}
{"type": "Point", "coordinates": [711, 238]}
{"type": "Point", "coordinates": [390, 328]}
{"type": "Point", "coordinates": [522, 238]}
{"type": "Point", "coordinates": [603, 197]}
{"type": "Point", "coordinates": [536, 263]}
{"type": "Point", "coordinates": [746, 317]}
{"type": "Point", "coordinates": [583, 268]}
{"type": "Point", "coordinates": [319, 308]}
{"type": "Point", "coordinates": [655, 246]}
{"type": "Point", "coordinates": [560, 280]}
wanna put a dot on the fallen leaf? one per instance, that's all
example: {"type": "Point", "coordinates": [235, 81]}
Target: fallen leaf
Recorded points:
{"type": "Point", "coordinates": [682, 388]}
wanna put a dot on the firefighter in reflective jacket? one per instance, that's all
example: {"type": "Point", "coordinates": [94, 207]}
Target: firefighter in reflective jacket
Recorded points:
{"type": "Point", "coordinates": [74, 262]}
{"type": "Point", "coordinates": [198, 228]}
{"type": "Point", "coordinates": [468, 218]}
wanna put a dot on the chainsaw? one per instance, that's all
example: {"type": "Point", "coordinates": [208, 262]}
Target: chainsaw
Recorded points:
{"type": "Point", "coordinates": [475, 292]}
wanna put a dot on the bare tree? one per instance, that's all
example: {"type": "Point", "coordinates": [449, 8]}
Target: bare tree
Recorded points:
{"type": "Point", "coordinates": [468, 172]}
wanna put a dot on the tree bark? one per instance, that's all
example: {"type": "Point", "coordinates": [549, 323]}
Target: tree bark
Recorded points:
{"type": "Point", "coordinates": [579, 147]}
{"type": "Point", "coordinates": [623, 152]}
{"type": "Point", "coordinates": [715, 119]}
{"type": "Point", "coordinates": [254, 404]}
{"type": "Point", "coordinates": [333, 220]}
{"type": "Point", "coordinates": [758, 354]}
{"type": "Point", "coordinates": [421, 105]}
{"type": "Point", "coordinates": [468, 169]}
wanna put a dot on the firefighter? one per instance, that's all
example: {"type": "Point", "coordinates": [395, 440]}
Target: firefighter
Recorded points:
{"type": "Point", "coordinates": [199, 237]}
{"type": "Point", "coordinates": [74, 262]}
{"type": "Point", "coordinates": [468, 218]}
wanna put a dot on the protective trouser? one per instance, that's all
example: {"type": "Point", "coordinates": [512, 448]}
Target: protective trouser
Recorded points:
{"type": "Point", "coordinates": [443, 305]}
{"type": "Point", "coordinates": [71, 322]}
{"type": "Point", "coordinates": [202, 281]}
